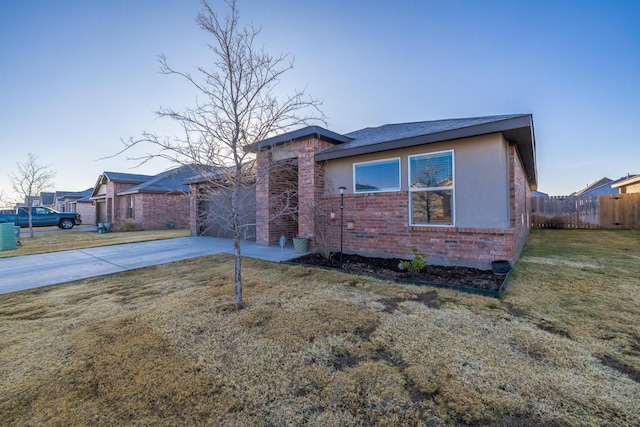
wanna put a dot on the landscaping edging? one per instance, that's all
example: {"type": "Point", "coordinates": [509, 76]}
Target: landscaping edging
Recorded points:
{"type": "Point", "coordinates": [476, 291]}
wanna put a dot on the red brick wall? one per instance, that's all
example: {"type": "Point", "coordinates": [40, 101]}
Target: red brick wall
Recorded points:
{"type": "Point", "coordinates": [380, 227]}
{"type": "Point", "coordinates": [154, 210]}
{"type": "Point", "coordinates": [115, 212]}
{"type": "Point", "coordinates": [520, 201]}
{"type": "Point", "coordinates": [270, 181]}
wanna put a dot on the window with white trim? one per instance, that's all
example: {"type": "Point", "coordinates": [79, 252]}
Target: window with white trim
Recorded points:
{"type": "Point", "coordinates": [131, 207]}
{"type": "Point", "coordinates": [377, 176]}
{"type": "Point", "coordinates": [431, 188]}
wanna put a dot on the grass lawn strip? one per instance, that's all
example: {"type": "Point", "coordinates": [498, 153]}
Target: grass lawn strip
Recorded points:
{"type": "Point", "coordinates": [164, 346]}
{"type": "Point", "coordinates": [68, 240]}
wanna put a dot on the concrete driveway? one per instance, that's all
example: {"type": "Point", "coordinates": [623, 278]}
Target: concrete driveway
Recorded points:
{"type": "Point", "coordinates": [32, 271]}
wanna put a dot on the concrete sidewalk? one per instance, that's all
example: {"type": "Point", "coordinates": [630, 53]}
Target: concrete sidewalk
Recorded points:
{"type": "Point", "coordinates": [32, 271]}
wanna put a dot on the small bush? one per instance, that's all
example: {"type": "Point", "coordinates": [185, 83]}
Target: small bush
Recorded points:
{"type": "Point", "coordinates": [418, 262]}
{"type": "Point", "coordinates": [126, 225]}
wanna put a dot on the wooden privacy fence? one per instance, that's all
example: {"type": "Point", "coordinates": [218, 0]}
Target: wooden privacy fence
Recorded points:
{"type": "Point", "coordinates": [606, 211]}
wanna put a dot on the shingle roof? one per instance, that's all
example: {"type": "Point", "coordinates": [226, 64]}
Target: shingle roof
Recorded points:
{"type": "Point", "coordinates": [315, 131]}
{"type": "Point", "coordinates": [171, 181]}
{"type": "Point", "coordinates": [126, 177]}
{"type": "Point", "coordinates": [444, 129]}
{"type": "Point", "coordinates": [594, 186]}
{"type": "Point", "coordinates": [516, 128]}
{"type": "Point", "coordinates": [87, 199]}
{"type": "Point", "coordinates": [78, 194]}
{"type": "Point", "coordinates": [629, 179]}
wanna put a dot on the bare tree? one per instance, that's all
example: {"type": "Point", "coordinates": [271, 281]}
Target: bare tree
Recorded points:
{"type": "Point", "coordinates": [29, 181]}
{"type": "Point", "coordinates": [4, 200]}
{"type": "Point", "coordinates": [236, 108]}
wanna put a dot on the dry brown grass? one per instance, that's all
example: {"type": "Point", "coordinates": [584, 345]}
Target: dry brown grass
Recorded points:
{"type": "Point", "coordinates": [67, 240]}
{"type": "Point", "coordinates": [164, 346]}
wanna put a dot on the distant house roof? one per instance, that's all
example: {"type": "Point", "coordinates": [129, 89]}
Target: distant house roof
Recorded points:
{"type": "Point", "coordinates": [208, 174]}
{"type": "Point", "coordinates": [538, 194]}
{"type": "Point", "coordinates": [171, 181]}
{"type": "Point", "coordinates": [87, 199]}
{"type": "Point", "coordinates": [628, 180]}
{"type": "Point", "coordinates": [594, 187]}
{"type": "Point", "coordinates": [117, 177]}
{"type": "Point", "coordinates": [73, 194]}
{"type": "Point", "coordinates": [516, 128]}
{"type": "Point", "coordinates": [126, 177]}
{"type": "Point", "coordinates": [603, 186]}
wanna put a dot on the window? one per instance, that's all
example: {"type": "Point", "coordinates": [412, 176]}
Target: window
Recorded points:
{"type": "Point", "coordinates": [130, 207]}
{"type": "Point", "coordinates": [431, 188]}
{"type": "Point", "coordinates": [379, 175]}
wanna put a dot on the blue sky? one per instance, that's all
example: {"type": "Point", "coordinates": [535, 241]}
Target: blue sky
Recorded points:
{"type": "Point", "coordinates": [76, 76]}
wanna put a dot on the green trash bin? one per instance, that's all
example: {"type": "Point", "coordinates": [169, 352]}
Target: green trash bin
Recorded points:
{"type": "Point", "coordinates": [7, 236]}
{"type": "Point", "coordinates": [301, 244]}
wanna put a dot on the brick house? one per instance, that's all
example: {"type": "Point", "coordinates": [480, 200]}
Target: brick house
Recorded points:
{"type": "Point", "coordinates": [458, 190]}
{"type": "Point", "coordinates": [152, 202]}
{"type": "Point", "coordinates": [66, 201]}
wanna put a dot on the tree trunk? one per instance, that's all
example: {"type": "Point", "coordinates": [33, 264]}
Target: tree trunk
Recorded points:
{"type": "Point", "coordinates": [236, 245]}
{"type": "Point", "coordinates": [238, 273]}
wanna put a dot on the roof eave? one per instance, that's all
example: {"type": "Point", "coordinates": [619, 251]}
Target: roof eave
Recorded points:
{"type": "Point", "coordinates": [297, 135]}
{"type": "Point", "coordinates": [628, 181]}
{"type": "Point", "coordinates": [145, 191]}
{"type": "Point", "coordinates": [517, 130]}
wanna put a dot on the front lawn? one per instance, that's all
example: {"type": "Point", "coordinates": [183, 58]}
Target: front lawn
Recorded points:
{"type": "Point", "coordinates": [62, 240]}
{"type": "Point", "coordinates": [164, 345]}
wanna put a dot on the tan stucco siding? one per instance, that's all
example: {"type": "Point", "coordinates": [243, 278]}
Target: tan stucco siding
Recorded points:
{"type": "Point", "coordinates": [481, 177]}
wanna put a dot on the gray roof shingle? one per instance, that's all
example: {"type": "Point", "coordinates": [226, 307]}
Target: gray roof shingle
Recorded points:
{"type": "Point", "coordinates": [171, 181]}
{"type": "Point", "coordinates": [406, 131]}
{"type": "Point", "coordinates": [126, 177]}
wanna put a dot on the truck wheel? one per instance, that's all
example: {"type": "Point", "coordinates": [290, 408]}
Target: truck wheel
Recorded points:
{"type": "Point", "coordinates": [66, 224]}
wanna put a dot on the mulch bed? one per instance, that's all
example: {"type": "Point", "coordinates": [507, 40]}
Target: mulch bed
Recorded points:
{"type": "Point", "coordinates": [466, 279]}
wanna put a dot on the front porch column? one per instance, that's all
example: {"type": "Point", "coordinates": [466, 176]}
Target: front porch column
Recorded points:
{"type": "Point", "coordinates": [262, 198]}
{"type": "Point", "coordinates": [306, 191]}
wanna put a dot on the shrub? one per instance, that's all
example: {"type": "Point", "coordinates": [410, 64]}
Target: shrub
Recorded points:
{"type": "Point", "coordinates": [126, 225]}
{"type": "Point", "coordinates": [418, 262]}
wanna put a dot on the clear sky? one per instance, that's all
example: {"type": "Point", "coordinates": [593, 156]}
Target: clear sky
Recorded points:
{"type": "Point", "coordinates": [76, 76]}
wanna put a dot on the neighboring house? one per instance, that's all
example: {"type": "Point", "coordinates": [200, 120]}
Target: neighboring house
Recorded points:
{"type": "Point", "coordinates": [66, 201]}
{"type": "Point", "coordinates": [597, 188]}
{"type": "Point", "coordinates": [602, 186]}
{"type": "Point", "coordinates": [629, 184]}
{"type": "Point", "coordinates": [151, 202]}
{"type": "Point", "coordinates": [43, 199]}
{"type": "Point", "coordinates": [458, 190]}
{"type": "Point", "coordinates": [539, 194]}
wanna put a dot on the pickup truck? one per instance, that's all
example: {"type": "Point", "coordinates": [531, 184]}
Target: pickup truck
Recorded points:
{"type": "Point", "coordinates": [42, 217]}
